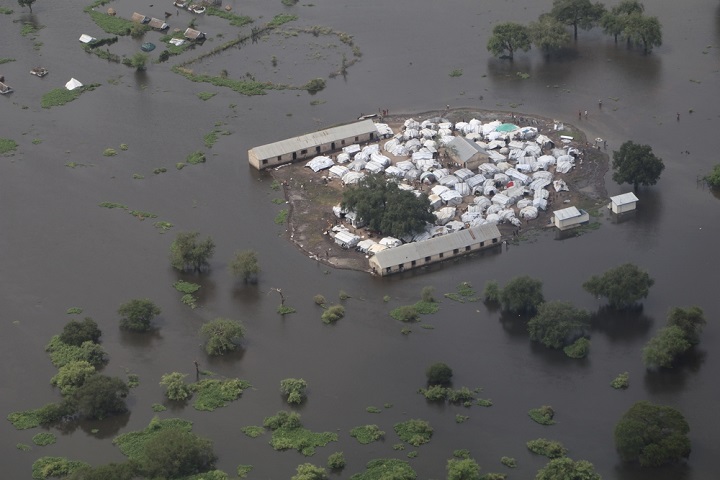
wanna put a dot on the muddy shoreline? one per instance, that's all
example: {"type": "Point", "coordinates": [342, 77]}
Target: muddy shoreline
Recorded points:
{"type": "Point", "coordinates": [310, 199]}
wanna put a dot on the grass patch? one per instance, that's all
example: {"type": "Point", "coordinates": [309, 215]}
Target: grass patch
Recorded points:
{"type": "Point", "coordinates": [416, 432]}
{"type": "Point", "coordinates": [243, 470]}
{"type": "Point", "coordinates": [158, 407]}
{"type": "Point", "coordinates": [132, 444]}
{"type": "Point", "coordinates": [275, 185]}
{"type": "Point", "coordinates": [189, 300]}
{"type": "Point", "coordinates": [205, 96]}
{"type": "Point", "coordinates": [244, 87]}
{"type": "Point", "coordinates": [508, 462]}
{"type": "Point", "coordinates": [367, 434]}
{"type": "Point", "coordinates": [281, 217]}
{"type": "Point", "coordinates": [44, 438]}
{"type": "Point", "coordinates": [461, 418]}
{"type": "Point", "coordinates": [281, 19]}
{"type": "Point", "coordinates": [195, 158]}
{"type": "Point", "coordinates": [253, 431]}
{"type": "Point", "coordinates": [456, 73]}
{"type": "Point", "coordinates": [7, 146]}
{"type": "Point", "coordinates": [164, 226]}
{"type": "Point", "coordinates": [547, 448]}
{"type": "Point", "coordinates": [6, 11]}
{"type": "Point", "coordinates": [186, 287]}
{"type": "Point", "coordinates": [114, 25]}
{"type": "Point", "coordinates": [235, 20]}
{"type": "Point", "coordinates": [622, 381]}
{"type": "Point", "coordinates": [23, 447]}
{"type": "Point", "coordinates": [74, 311]}
{"type": "Point", "coordinates": [60, 96]}
{"type": "Point", "coordinates": [405, 313]}
{"type": "Point", "coordinates": [24, 420]}
{"type": "Point", "coordinates": [55, 467]}
{"type": "Point", "coordinates": [543, 415]}
{"type": "Point", "coordinates": [484, 402]}
{"type": "Point", "coordinates": [212, 394]}
{"type": "Point", "coordinates": [578, 349]}
{"type": "Point", "coordinates": [464, 293]}
{"type": "Point", "coordinates": [333, 314]}
{"type": "Point", "coordinates": [288, 433]}
{"type": "Point", "coordinates": [373, 410]}
{"type": "Point", "coordinates": [210, 139]}
{"type": "Point", "coordinates": [426, 308]}
{"type": "Point", "coordinates": [29, 29]}
{"type": "Point", "coordinates": [285, 310]}
{"type": "Point", "coordinates": [278, 201]}
{"type": "Point", "coordinates": [112, 205]}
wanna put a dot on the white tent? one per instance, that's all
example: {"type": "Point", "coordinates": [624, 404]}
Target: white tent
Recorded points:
{"type": "Point", "coordinates": [73, 84]}
{"type": "Point", "coordinates": [320, 162]}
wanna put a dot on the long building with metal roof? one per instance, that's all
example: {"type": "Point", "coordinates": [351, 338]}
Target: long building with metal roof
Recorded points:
{"type": "Point", "coordinates": [418, 254]}
{"type": "Point", "coordinates": [311, 144]}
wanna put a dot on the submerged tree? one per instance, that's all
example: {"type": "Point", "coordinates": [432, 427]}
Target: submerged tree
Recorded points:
{"type": "Point", "coordinates": [645, 31]}
{"type": "Point", "coordinates": [548, 34]}
{"type": "Point", "coordinates": [137, 314]}
{"type": "Point", "coordinates": [623, 286]}
{"type": "Point", "coordinates": [522, 294]}
{"type": "Point", "coordinates": [636, 164]}
{"type": "Point", "coordinates": [663, 349]}
{"type": "Point", "coordinates": [577, 13]}
{"type": "Point", "coordinates": [244, 265]}
{"type": "Point", "coordinates": [614, 22]}
{"type": "Point", "coordinates": [558, 324]}
{"type": "Point", "coordinates": [187, 252]}
{"type": "Point", "coordinates": [26, 3]}
{"type": "Point", "coordinates": [691, 320]}
{"type": "Point", "coordinates": [100, 396]}
{"type": "Point", "coordinates": [566, 468]}
{"type": "Point", "coordinates": [438, 374]}
{"type": "Point", "coordinates": [653, 435]}
{"type": "Point", "coordinates": [177, 453]}
{"type": "Point", "coordinates": [463, 469]}
{"type": "Point", "coordinates": [508, 37]}
{"type": "Point", "coordinates": [222, 336]}
{"type": "Point", "coordinates": [78, 332]}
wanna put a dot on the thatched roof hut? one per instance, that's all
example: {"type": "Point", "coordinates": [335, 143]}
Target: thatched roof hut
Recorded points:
{"type": "Point", "coordinates": [111, 12]}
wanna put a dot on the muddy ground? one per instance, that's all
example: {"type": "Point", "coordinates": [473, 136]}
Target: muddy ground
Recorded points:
{"type": "Point", "coordinates": [310, 198]}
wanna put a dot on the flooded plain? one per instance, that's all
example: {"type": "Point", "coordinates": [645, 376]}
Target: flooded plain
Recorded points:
{"type": "Point", "coordinates": [61, 250]}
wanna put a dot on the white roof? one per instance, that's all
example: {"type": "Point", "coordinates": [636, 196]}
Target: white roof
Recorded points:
{"type": "Point", "coordinates": [566, 213]}
{"type": "Point", "coordinates": [310, 140]}
{"type": "Point", "coordinates": [72, 84]}
{"type": "Point", "coordinates": [86, 38]}
{"type": "Point", "coordinates": [624, 198]}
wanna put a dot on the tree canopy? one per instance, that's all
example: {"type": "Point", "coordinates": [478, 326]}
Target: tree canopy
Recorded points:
{"type": "Point", "coordinates": [463, 469]}
{"type": "Point", "coordinates": [566, 468]}
{"type": "Point", "coordinates": [508, 37]}
{"type": "Point", "coordinates": [176, 453]}
{"type": "Point", "coordinates": [614, 22]}
{"type": "Point", "coordinates": [100, 396]}
{"type": "Point", "coordinates": [653, 435]}
{"type": "Point", "coordinates": [691, 320]}
{"type": "Point", "coordinates": [175, 386]}
{"type": "Point", "coordinates": [294, 389]}
{"type": "Point", "coordinates": [713, 178]}
{"type": "Point", "coordinates": [636, 164]}
{"type": "Point", "coordinates": [386, 468]}
{"type": "Point", "coordinates": [438, 374]}
{"type": "Point", "coordinates": [645, 31]}
{"type": "Point", "coordinates": [244, 265]}
{"type": "Point", "coordinates": [189, 253]}
{"type": "Point", "coordinates": [77, 332]}
{"type": "Point", "coordinates": [308, 471]}
{"type": "Point", "coordinates": [548, 34]}
{"type": "Point", "coordinates": [662, 349]}
{"type": "Point", "coordinates": [222, 335]}
{"type": "Point", "coordinates": [72, 375]}
{"type": "Point", "coordinates": [557, 324]}
{"type": "Point", "coordinates": [113, 471]}
{"type": "Point", "coordinates": [137, 314]}
{"type": "Point", "coordinates": [577, 13]}
{"type": "Point", "coordinates": [26, 3]}
{"type": "Point", "coordinates": [522, 294]}
{"type": "Point", "coordinates": [384, 207]}
{"type": "Point", "coordinates": [623, 286]}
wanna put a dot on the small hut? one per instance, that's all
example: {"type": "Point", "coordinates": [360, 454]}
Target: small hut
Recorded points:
{"type": "Point", "coordinates": [192, 34]}
{"type": "Point", "coordinates": [111, 12]}
{"type": "Point", "coordinates": [570, 217]}
{"type": "Point", "coordinates": [139, 18]}
{"type": "Point", "coordinates": [623, 203]}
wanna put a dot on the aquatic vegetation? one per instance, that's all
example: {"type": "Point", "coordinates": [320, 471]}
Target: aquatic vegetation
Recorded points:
{"type": "Point", "coordinates": [578, 349]}
{"type": "Point", "coordinates": [285, 310]}
{"type": "Point", "coordinates": [465, 293]}
{"type": "Point", "coordinates": [456, 72]}
{"type": "Point", "coordinates": [60, 96]}
{"type": "Point", "coordinates": [461, 418]}
{"type": "Point", "coordinates": [195, 158]}
{"type": "Point", "coordinates": [189, 300]}
{"type": "Point", "coordinates": [30, 29]}
{"type": "Point", "coordinates": [186, 287]}
{"type": "Point", "coordinates": [210, 139]}
{"type": "Point", "coordinates": [508, 462]}
{"type": "Point", "coordinates": [288, 433]}
{"type": "Point", "coordinates": [54, 467]}
{"type": "Point", "coordinates": [212, 393]}
{"type": "Point", "coordinates": [367, 434]}
{"type": "Point", "coordinates": [234, 19]}
{"type": "Point", "coordinates": [74, 311]}
{"type": "Point", "coordinates": [44, 438]}
{"type": "Point", "coordinates": [543, 415]}
{"type": "Point", "coordinates": [405, 313]}
{"type": "Point", "coordinates": [373, 410]}
{"type": "Point", "coordinates": [206, 95]}
{"type": "Point", "coordinates": [253, 431]}
{"type": "Point", "coordinates": [132, 444]}
{"type": "Point", "coordinates": [294, 389]}
{"type": "Point", "coordinates": [379, 468]}
{"type": "Point", "coordinates": [281, 217]}
{"type": "Point", "coordinates": [484, 402]}
{"type": "Point", "coordinates": [281, 19]}
{"type": "Point", "coordinates": [336, 461]}
{"type": "Point", "coordinates": [416, 432]}
{"type": "Point", "coordinates": [23, 447]}
{"type": "Point", "coordinates": [547, 448]}
{"type": "Point", "coordinates": [7, 146]}
{"type": "Point", "coordinates": [333, 314]}
{"type": "Point", "coordinates": [243, 470]}
{"type": "Point", "coordinates": [622, 381]}
{"type": "Point", "coordinates": [109, 152]}
{"type": "Point", "coordinates": [157, 407]}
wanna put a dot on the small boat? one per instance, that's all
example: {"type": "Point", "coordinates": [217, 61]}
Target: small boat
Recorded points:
{"type": "Point", "coordinates": [5, 88]}
{"type": "Point", "coordinates": [39, 71]}
{"type": "Point", "coordinates": [198, 9]}
{"type": "Point", "coordinates": [179, 3]}
{"type": "Point", "coordinates": [147, 47]}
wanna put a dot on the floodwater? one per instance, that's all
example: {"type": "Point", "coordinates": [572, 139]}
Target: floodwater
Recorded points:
{"type": "Point", "coordinates": [61, 250]}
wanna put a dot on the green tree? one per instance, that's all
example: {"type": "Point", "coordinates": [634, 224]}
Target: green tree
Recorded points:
{"type": "Point", "coordinates": [72, 375]}
{"type": "Point", "coordinates": [294, 389]}
{"type": "Point", "coordinates": [508, 37]}
{"type": "Point", "coordinates": [548, 34]}
{"type": "Point", "coordinates": [175, 386]}
{"type": "Point", "coordinates": [26, 3]}
{"type": "Point", "coordinates": [176, 453]}
{"type": "Point", "coordinates": [438, 374]}
{"type": "Point", "coordinates": [77, 332]}
{"type": "Point", "coordinates": [308, 471]}
{"type": "Point", "coordinates": [645, 31]}
{"type": "Point", "coordinates": [137, 314]}
{"type": "Point", "coordinates": [463, 469]}
{"type": "Point", "coordinates": [653, 435]}
{"type": "Point", "coordinates": [663, 349]}
{"type": "Point", "coordinates": [557, 324]}
{"type": "Point", "coordinates": [636, 164]}
{"type": "Point", "coordinates": [522, 294]}
{"type": "Point", "coordinates": [713, 178]}
{"type": "Point", "coordinates": [138, 61]}
{"type": "Point", "coordinates": [386, 469]}
{"type": "Point", "coordinates": [623, 286]}
{"type": "Point", "coordinates": [332, 314]}
{"type": "Point", "coordinates": [336, 461]}
{"type": "Point", "coordinates": [384, 207]}
{"type": "Point", "coordinates": [222, 335]}
{"type": "Point", "coordinates": [492, 292]}
{"type": "Point", "coordinates": [100, 396]}
{"type": "Point", "coordinates": [577, 13]}
{"type": "Point", "coordinates": [565, 468]}
{"type": "Point", "coordinates": [244, 264]}
{"type": "Point", "coordinates": [188, 253]}
{"type": "Point", "coordinates": [614, 22]}
{"type": "Point", "coordinates": [691, 320]}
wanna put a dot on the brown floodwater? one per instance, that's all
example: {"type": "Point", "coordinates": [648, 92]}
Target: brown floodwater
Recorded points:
{"type": "Point", "coordinates": [61, 250]}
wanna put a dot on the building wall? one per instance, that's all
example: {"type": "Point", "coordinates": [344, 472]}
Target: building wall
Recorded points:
{"type": "Point", "coordinates": [432, 259]}
{"type": "Point", "coordinates": [307, 153]}
{"type": "Point", "coordinates": [623, 208]}
{"type": "Point", "coordinates": [572, 222]}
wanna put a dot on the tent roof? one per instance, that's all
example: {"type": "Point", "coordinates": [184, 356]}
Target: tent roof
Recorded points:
{"type": "Point", "coordinates": [506, 127]}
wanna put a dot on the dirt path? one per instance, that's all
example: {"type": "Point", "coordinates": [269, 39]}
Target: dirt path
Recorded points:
{"type": "Point", "coordinates": [311, 198]}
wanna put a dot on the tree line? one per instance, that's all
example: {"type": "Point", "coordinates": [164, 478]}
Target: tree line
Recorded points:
{"type": "Point", "coordinates": [549, 33]}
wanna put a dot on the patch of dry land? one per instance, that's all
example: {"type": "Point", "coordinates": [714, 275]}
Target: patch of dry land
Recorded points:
{"type": "Point", "coordinates": [311, 195]}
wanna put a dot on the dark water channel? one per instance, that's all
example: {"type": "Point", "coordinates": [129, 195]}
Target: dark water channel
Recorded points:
{"type": "Point", "coordinates": [60, 250]}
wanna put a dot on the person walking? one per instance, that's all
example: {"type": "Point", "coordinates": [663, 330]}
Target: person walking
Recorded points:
{"type": "Point", "coordinates": [600, 104]}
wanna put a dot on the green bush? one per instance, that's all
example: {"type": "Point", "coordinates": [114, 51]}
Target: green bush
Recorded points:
{"type": "Point", "coordinates": [319, 300]}
{"type": "Point", "coordinates": [547, 448]}
{"type": "Point", "coordinates": [336, 461]}
{"type": "Point", "coordinates": [72, 375]}
{"type": "Point", "coordinates": [622, 381]}
{"type": "Point", "coordinates": [222, 336]}
{"type": "Point", "coordinates": [713, 178]}
{"type": "Point", "coordinates": [508, 462]}
{"type": "Point", "coordinates": [51, 467]}
{"type": "Point", "coordinates": [44, 438]}
{"type": "Point", "coordinates": [333, 314]}
{"type": "Point", "coordinates": [438, 374]}
{"type": "Point", "coordinates": [543, 415]}
{"type": "Point", "coordinates": [294, 390]}
{"type": "Point", "coordinates": [253, 431]}
{"type": "Point", "coordinates": [367, 434]}
{"type": "Point", "coordinates": [7, 146]}
{"type": "Point", "coordinates": [415, 431]}
{"type": "Point", "coordinates": [579, 349]}
{"type": "Point", "coordinates": [405, 313]}
{"type": "Point", "coordinates": [212, 393]}
{"type": "Point", "coordinates": [435, 393]}
{"type": "Point", "coordinates": [175, 386]}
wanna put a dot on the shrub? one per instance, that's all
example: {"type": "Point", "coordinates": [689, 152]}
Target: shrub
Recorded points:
{"type": "Point", "coordinates": [543, 415]}
{"type": "Point", "coordinates": [76, 332]}
{"type": "Point", "coordinates": [438, 374]}
{"type": "Point", "coordinates": [319, 300]}
{"type": "Point", "coordinates": [548, 448]}
{"type": "Point", "coordinates": [253, 431]}
{"type": "Point", "coordinates": [405, 313]}
{"type": "Point", "coordinates": [435, 393]}
{"type": "Point", "coordinates": [222, 335]}
{"type": "Point", "coordinates": [72, 375]}
{"type": "Point", "coordinates": [713, 178]}
{"type": "Point", "coordinates": [427, 294]}
{"type": "Point", "coordinates": [579, 349]}
{"type": "Point", "coordinates": [175, 386]}
{"type": "Point", "coordinates": [212, 393]}
{"type": "Point", "coordinates": [622, 381]}
{"type": "Point", "coordinates": [44, 438]}
{"type": "Point", "coordinates": [460, 395]}
{"type": "Point", "coordinates": [508, 462]}
{"type": "Point", "coordinates": [137, 314]}
{"type": "Point", "coordinates": [367, 434]}
{"type": "Point", "coordinates": [336, 461]}
{"type": "Point", "coordinates": [294, 389]}
{"type": "Point", "coordinates": [415, 432]}
{"type": "Point", "coordinates": [333, 314]}
{"type": "Point", "coordinates": [522, 294]}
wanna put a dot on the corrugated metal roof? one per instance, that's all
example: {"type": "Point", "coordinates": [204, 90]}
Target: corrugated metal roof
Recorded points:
{"type": "Point", "coordinates": [465, 148]}
{"type": "Point", "coordinates": [624, 199]}
{"type": "Point", "coordinates": [445, 243]}
{"type": "Point", "coordinates": [566, 213]}
{"type": "Point", "coordinates": [311, 140]}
